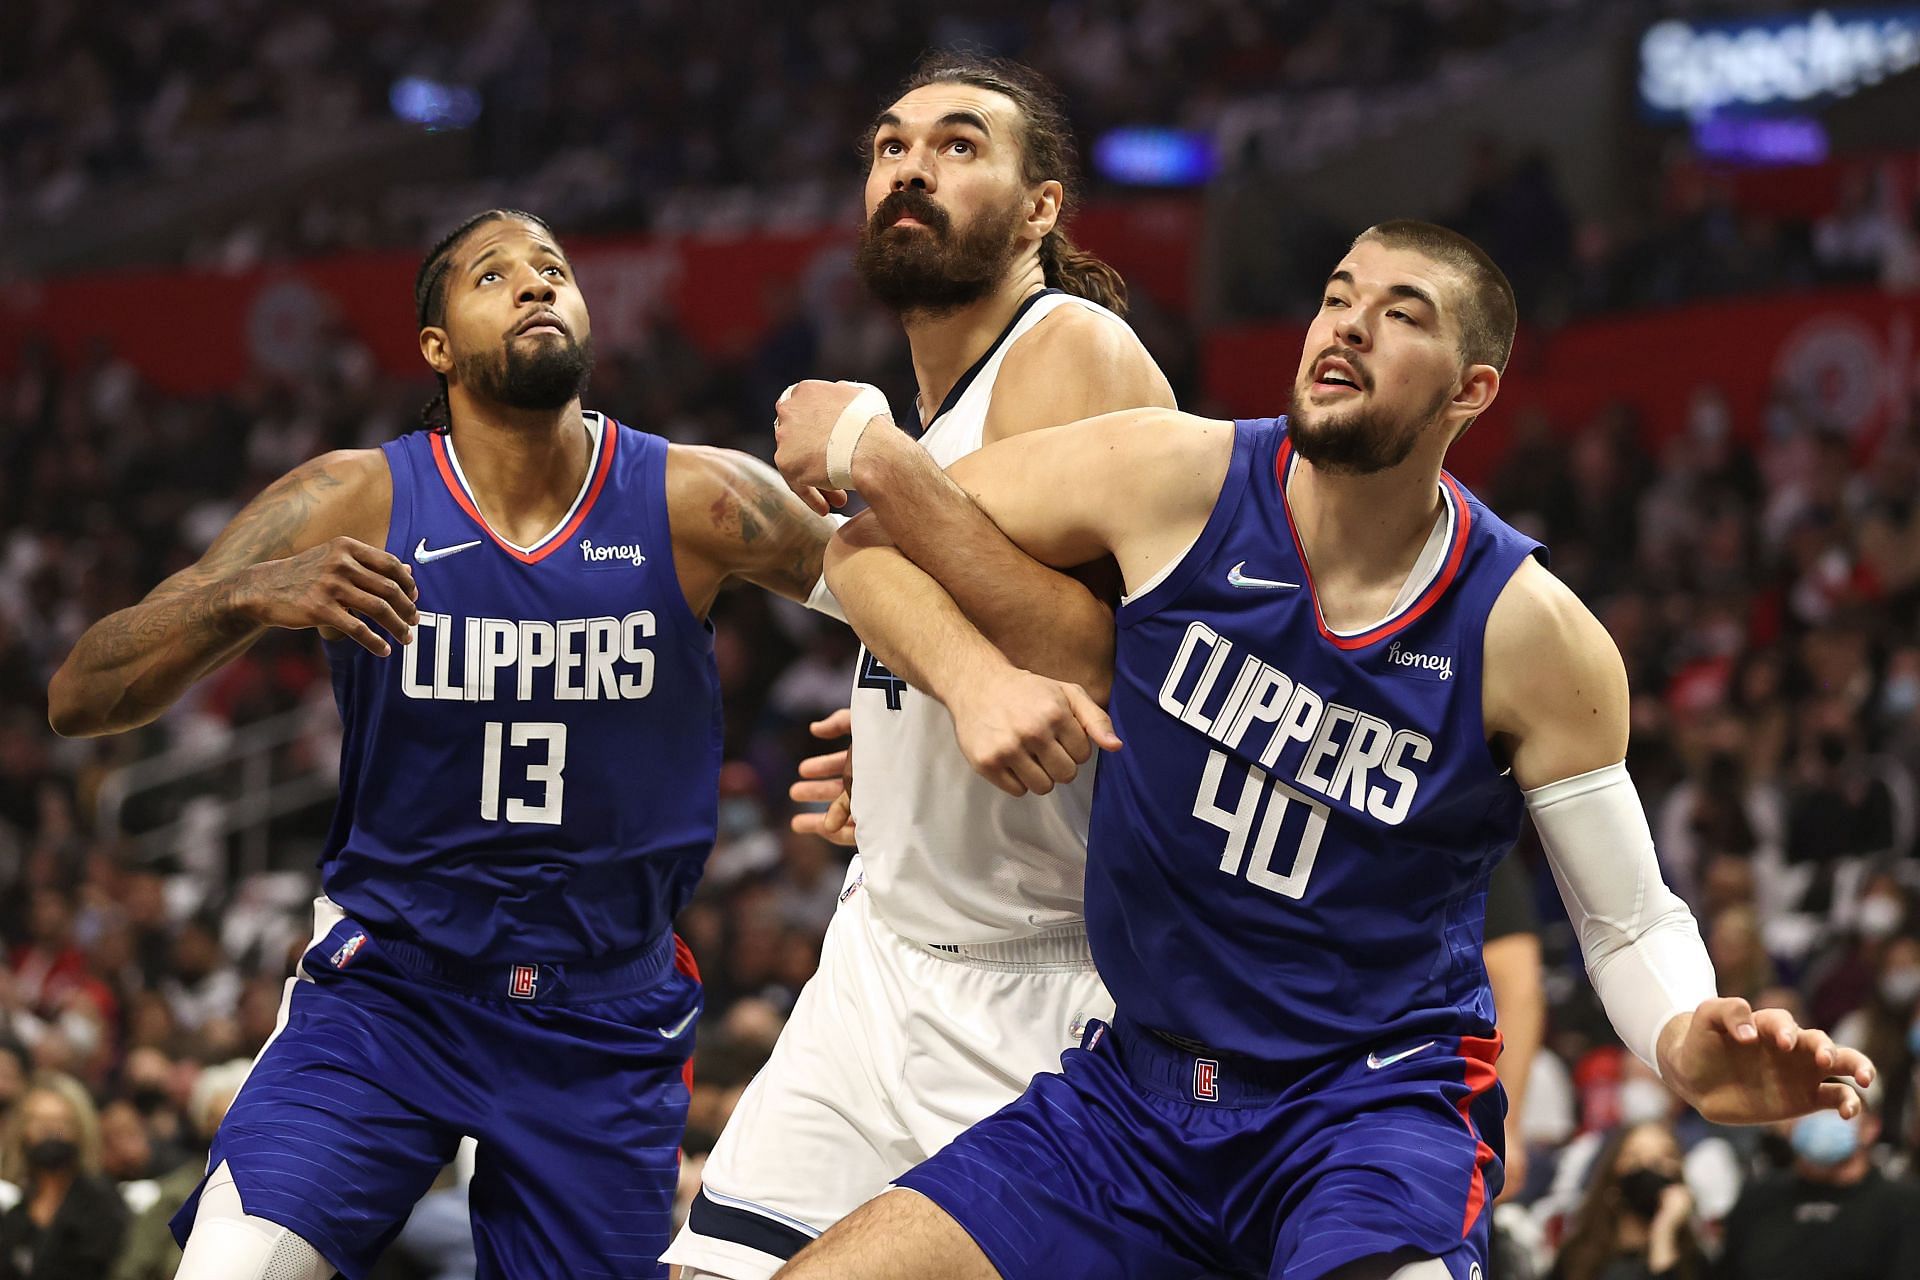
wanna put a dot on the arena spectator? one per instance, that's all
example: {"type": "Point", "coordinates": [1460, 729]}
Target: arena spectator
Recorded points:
{"type": "Point", "coordinates": [69, 1221]}
{"type": "Point", "coordinates": [1832, 1215]}
{"type": "Point", "coordinates": [1635, 1221]}
{"type": "Point", "coordinates": [149, 1252]}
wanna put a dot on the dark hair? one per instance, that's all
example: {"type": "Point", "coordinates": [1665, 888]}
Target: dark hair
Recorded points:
{"type": "Point", "coordinates": [1589, 1245]}
{"type": "Point", "coordinates": [430, 295]}
{"type": "Point", "coordinates": [1046, 153]}
{"type": "Point", "coordinates": [1487, 311]}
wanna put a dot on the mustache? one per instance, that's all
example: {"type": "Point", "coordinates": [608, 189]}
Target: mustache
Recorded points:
{"type": "Point", "coordinates": [913, 202]}
{"type": "Point", "coordinates": [1352, 358]}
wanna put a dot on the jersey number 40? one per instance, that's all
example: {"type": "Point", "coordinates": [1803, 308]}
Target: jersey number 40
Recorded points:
{"type": "Point", "coordinates": [1238, 822]}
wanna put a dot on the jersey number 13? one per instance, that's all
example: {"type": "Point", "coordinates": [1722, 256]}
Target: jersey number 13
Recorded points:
{"type": "Point", "coordinates": [553, 737]}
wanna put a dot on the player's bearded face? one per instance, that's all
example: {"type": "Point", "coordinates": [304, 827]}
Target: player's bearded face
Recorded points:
{"type": "Point", "coordinates": [1360, 437]}
{"type": "Point", "coordinates": [529, 371]}
{"type": "Point", "coordinates": [935, 267]}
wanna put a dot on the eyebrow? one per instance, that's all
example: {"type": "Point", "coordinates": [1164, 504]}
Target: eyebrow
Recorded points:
{"type": "Point", "coordinates": [1399, 290]}
{"type": "Point", "coordinates": [970, 119]}
{"type": "Point", "coordinates": [539, 246]}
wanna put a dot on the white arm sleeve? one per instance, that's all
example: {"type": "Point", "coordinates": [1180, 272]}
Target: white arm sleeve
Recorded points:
{"type": "Point", "coordinates": [821, 600]}
{"type": "Point", "coordinates": [1642, 947]}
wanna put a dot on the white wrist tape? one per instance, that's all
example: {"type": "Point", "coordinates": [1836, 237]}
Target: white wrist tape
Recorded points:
{"type": "Point", "coordinates": [847, 429]}
{"type": "Point", "coordinates": [822, 600]}
{"type": "Point", "coordinates": [1642, 947]}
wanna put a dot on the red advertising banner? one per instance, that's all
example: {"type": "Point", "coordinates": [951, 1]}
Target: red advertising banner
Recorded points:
{"type": "Point", "coordinates": [194, 332]}
{"type": "Point", "coordinates": [1853, 355]}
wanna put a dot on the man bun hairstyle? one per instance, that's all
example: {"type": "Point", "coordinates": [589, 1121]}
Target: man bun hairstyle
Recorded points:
{"type": "Point", "coordinates": [430, 296]}
{"type": "Point", "coordinates": [1046, 152]}
{"type": "Point", "coordinates": [1488, 313]}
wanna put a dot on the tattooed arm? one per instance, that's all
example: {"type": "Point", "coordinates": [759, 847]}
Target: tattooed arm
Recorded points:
{"type": "Point", "coordinates": [733, 517]}
{"type": "Point", "coordinates": [305, 553]}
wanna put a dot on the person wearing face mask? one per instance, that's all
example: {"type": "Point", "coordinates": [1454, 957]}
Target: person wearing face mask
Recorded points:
{"type": "Point", "coordinates": [70, 1220]}
{"type": "Point", "coordinates": [1636, 1222]}
{"type": "Point", "coordinates": [1882, 1024]}
{"type": "Point", "coordinates": [1832, 1215]}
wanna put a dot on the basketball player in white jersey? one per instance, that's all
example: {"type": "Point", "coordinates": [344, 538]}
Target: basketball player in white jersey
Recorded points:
{"type": "Point", "coordinates": [957, 964]}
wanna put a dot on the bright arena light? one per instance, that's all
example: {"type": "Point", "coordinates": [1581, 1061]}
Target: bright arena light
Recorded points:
{"type": "Point", "coordinates": [1697, 68]}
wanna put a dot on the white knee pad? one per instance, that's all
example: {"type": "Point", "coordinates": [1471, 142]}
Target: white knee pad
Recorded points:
{"type": "Point", "coordinates": [229, 1244]}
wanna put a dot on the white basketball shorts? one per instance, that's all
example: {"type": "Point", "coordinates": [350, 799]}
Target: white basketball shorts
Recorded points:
{"type": "Point", "coordinates": [893, 1048]}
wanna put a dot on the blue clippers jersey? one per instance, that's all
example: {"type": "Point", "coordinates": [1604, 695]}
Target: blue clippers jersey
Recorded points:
{"type": "Point", "coordinates": [1289, 859]}
{"type": "Point", "coordinates": [535, 776]}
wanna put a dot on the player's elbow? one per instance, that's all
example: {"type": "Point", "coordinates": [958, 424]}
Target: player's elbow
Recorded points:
{"type": "Point", "coordinates": [70, 713]}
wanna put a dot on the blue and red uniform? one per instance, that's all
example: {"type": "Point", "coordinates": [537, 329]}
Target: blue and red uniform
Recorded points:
{"type": "Point", "coordinates": [1286, 884]}
{"type": "Point", "coordinates": [527, 796]}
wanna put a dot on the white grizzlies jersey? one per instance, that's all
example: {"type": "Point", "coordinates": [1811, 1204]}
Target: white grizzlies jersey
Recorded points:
{"type": "Point", "coordinates": [950, 858]}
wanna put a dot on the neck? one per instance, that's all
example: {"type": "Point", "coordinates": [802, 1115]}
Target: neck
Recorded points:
{"type": "Point", "coordinates": [947, 345]}
{"type": "Point", "coordinates": [1845, 1174]}
{"type": "Point", "coordinates": [1630, 1234]}
{"type": "Point", "coordinates": [525, 467]}
{"type": "Point", "coordinates": [1365, 529]}
{"type": "Point", "coordinates": [50, 1191]}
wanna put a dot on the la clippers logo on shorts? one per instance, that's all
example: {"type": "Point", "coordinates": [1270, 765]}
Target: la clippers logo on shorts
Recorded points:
{"type": "Point", "coordinates": [523, 981]}
{"type": "Point", "coordinates": [348, 950]}
{"type": "Point", "coordinates": [1206, 1080]}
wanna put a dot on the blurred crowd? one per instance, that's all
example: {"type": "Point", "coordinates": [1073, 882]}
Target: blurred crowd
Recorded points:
{"type": "Point", "coordinates": [642, 113]}
{"type": "Point", "coordinates": [1695, 237]}
{"type": "Point", "coordinates": [1761, 578]}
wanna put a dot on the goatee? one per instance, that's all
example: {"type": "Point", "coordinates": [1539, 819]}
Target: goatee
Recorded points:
{"type": "Point", "coordinates": [543, 373]}
{"type": "Point", "coordinates": [932, 269]}
{"type": "Point", "coordinates": [1357, 443]}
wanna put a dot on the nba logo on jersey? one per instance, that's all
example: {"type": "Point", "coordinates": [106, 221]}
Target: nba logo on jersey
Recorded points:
{"type": "Point", "coordinates": [1206, 1080]}
{"type": "Point", "coordinates": [522, 981]}
{"type": "Point", "coordinates": [349, 949]}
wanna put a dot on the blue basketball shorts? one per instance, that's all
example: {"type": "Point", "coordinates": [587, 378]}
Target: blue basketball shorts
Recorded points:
{"type": "Point", "coordinates": [574, 1083]}
{"type": "Point", "coordinates": [1141, 1161]}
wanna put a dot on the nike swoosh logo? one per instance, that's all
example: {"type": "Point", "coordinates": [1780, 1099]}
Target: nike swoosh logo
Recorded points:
{"type": "Point", "coordinates": [421, 555]}
{"type": "Point", "coordinates": [1235, 578]}
{"type": "Point", "coordinates": [1375, 1061]}
{"type": "Point", "coordinates": [673, 1032]}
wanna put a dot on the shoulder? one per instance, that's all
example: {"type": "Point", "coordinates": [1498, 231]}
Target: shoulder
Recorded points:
{"type": "Point", "coordinates": [1075, 363]}
{"type": "Point", "coordinates": [698, 473]}
{"type": "Point", "coordinates": [352, 472]}
{"type": "Point", "coordinates": [1553, 673]}
{"type": "Point", "coordinates": [723, 498]}
{"type": "Point", "coordinates": [1536, 613]}
{"type": "Point", "coordinates": [347, 492]}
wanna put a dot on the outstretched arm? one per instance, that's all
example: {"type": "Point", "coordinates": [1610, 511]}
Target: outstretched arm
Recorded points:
{"type": "Point", "coordinates": [733, 518]}
{"type": "Point", "coordinates": [1556, 699]}
{"type": "Point", "coordinates": [305, 553]}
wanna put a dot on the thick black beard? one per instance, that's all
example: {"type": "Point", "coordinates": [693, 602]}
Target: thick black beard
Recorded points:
{"type": "Point", "coordinates": [544, 374]}
{"type": "Point", "coordinates": [1360, 444]}
{"type": "Point", "coordinates": [931, 270]}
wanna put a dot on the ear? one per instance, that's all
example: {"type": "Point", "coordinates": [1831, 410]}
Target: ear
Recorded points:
{"type": "Point", "coordinates": [434, 349]}
{"type": "Point", "coordinates": [1479, 384]}
{"type": "Point", "coordinates": [1043, 214]}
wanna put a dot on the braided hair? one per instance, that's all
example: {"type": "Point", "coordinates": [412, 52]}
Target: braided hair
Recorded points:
{"type": "Point", "coordinates": [430, 298]}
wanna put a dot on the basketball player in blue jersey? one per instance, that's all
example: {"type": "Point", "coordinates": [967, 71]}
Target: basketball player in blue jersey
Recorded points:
{"type": "Point", "coordinates": [1340, 681]}
{"type": "Point", "coordinates": [513, 605]}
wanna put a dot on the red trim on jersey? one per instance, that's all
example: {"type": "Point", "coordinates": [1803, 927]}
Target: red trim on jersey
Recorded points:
{"type": "Point", "coordinates": [1479, 1056]}
{"type": "Point", "coordinates": [1463, 523]}
{"type": "Point", "coordinates": [684, 963]}
{"type": "Point", "coordinates": [609, 433]}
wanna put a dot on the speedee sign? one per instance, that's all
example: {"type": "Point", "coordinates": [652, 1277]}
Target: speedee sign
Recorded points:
{"type": "Point", "coordinates": [1696, 69]}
